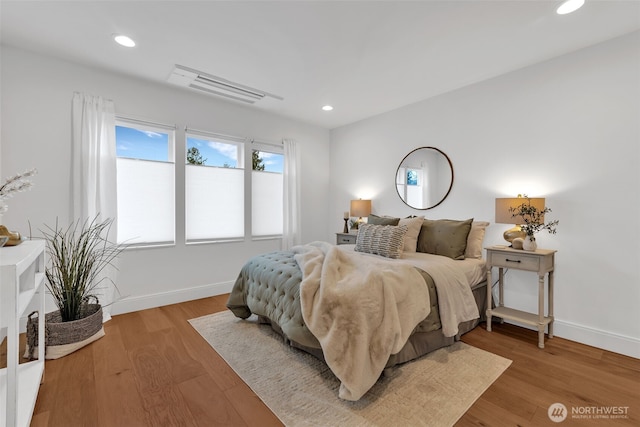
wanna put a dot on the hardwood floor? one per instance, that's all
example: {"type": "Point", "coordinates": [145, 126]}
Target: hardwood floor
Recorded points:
{"type": "Point", "coordinates": [153, 369]}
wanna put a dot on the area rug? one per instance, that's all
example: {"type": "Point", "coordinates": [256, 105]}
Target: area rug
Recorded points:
{"type": "Point", "coordinates": [434, 390]}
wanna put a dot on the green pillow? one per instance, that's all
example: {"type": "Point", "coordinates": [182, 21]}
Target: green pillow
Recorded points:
{"type": "Point", "coordinates": [445, 237]}
{"type": "Point", "coordinates": [382, 220]}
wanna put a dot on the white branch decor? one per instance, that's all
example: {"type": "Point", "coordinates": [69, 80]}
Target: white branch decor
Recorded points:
{"type": "Point", "coordinates": [15, 184]}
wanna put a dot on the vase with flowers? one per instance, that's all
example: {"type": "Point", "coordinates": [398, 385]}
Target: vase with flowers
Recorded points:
{"type": "Point", "coordinates": [532, 222]}
{"type": "Point", "coordinates": [12, 185]}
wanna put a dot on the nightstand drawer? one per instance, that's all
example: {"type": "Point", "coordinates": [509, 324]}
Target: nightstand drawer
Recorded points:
{"type": "Point", "coordinates": [521, 262]}
{"type": "Point", "coordinates": [346, 239]}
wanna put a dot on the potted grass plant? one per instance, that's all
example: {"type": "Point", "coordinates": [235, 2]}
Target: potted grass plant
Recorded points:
{"type": "Point", "coordinates": [79, 256]}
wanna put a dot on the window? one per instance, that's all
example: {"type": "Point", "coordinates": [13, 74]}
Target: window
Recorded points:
{"type": "Point", "coordinates": [145, 189]}
{"type": "Point", "coordinates": [266, 192]}
{"type": "Point", "coordinates": [224, 200]}
{"type": "Point", "coordinates": [215, 188]}
{"type": "Point", "coordinates": [412, 177]}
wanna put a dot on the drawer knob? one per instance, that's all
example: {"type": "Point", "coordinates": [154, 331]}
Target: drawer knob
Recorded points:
{"type": "Point", "coordinates": [513, 260]}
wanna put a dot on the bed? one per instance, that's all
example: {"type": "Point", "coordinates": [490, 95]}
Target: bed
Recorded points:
{"type": "Point", "coordinates": [407, 287]}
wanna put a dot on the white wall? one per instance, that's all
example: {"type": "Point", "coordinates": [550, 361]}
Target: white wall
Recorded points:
{"type": "Point", "coordinates": [567, 129]}
{"type": "Point", "coordinates": [36, 132]}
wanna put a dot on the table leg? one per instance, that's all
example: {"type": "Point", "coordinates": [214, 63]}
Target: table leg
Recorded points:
{"type": "Point", "coordinates": [541, 311]}
{"type": "Point", "coordinates": [501, 287]}
{"type": "Point", "coordinates": [551, 304]}
{"type": "Point", "coordinates": [489, 291]}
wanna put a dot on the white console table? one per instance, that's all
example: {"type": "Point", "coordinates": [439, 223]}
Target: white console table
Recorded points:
{"type": "Point", "coordinates": [21, 280]}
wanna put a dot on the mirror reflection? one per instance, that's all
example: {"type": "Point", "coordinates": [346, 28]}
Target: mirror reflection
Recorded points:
{"type": "Point", "coordinates": [424, 178]}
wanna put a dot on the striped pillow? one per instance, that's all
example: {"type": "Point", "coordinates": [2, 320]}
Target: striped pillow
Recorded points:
{"type": "Point", "coordinates": [384, 240]}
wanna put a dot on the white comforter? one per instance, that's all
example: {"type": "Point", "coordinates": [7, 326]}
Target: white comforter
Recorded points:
{"type": "Point", "coordinates": [453, 282]}
{"type": "Point", "coordinates": [362, 309]}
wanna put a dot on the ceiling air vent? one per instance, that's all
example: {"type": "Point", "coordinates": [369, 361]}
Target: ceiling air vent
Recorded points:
{"type": "Point", "coordinates": [213, 85]}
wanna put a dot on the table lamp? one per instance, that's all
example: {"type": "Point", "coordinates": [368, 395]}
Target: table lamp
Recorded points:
{"type": "Point", "coordinates": [504, 215]}
{"type": "Point", "coordinates": [360, 208]}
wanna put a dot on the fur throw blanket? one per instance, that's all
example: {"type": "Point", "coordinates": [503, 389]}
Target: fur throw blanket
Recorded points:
{"type": "Point", "coordinates": [361, 310]}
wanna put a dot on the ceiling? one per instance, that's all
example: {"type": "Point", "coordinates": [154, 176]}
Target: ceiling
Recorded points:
{"type": "Point", "coordinates": [362, 57]}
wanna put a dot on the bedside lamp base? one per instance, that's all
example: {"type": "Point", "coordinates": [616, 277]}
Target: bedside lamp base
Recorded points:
{"type": "Point", "coordinates": [514, 233]}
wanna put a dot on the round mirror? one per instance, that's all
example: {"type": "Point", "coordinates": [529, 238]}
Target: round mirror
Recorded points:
{"type": "Point", "coordinates": [424, 178]}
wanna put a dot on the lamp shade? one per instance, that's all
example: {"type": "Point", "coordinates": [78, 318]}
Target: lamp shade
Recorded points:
{"type": "Point", "coordinates": [360, 207]}
{"type": "Point", "coordinates": [503, 206]}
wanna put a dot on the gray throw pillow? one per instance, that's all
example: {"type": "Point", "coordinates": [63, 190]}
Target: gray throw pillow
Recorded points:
{"type": "Point", "coordinates": [384, 240]}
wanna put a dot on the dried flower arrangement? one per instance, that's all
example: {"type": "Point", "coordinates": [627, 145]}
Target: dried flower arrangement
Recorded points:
{"type": "Point", "coordinates": [533, 218]}
{"type": "Point", "coordinates": [15, 184]}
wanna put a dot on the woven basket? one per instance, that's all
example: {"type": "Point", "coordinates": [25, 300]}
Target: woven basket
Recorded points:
{"type": "Point", "coordinates": [59, 333]}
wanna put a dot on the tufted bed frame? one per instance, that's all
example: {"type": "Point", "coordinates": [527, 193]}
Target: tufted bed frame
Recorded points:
{"type": "Point", "coordinates": [268, 286]}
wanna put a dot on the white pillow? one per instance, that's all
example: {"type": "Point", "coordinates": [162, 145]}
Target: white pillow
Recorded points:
{"type": "Point", "coordinates": [475, 239]}
{"type": "Point", "coordinates": [413, 230]}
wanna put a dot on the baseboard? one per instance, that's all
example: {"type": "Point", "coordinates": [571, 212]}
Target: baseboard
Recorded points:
{"type": "Point", "coordinates": [629, 346]}
{"type": "Point", "coordinates": [128, 305]}
{"type": "Point", "coordinates": [605, 340]}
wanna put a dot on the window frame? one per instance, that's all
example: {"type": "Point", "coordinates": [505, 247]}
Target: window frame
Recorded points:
{"type": "Point", "coordinates": [170, 130]}
{"type": "Point", "coordinates": [241, 144]}
{"type": "Point", "coordinates": [268, 147]}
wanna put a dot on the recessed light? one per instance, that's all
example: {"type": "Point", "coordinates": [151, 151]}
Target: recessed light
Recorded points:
{"type": "Point", "coordinates": [569, 6]}
{"type": "Point", "coordinates": [124, 40]}
{"type": "Point", "coordinates": [327, 108]}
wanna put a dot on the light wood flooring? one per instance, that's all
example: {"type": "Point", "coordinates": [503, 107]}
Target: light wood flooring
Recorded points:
{"type": "Point", "coordinates": [153, 369]}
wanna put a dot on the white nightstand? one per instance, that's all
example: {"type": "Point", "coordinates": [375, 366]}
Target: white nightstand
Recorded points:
{"type": "Point", "coordinates": [346, 239]}
{"type": "Point", "coordinates": [540, 261]}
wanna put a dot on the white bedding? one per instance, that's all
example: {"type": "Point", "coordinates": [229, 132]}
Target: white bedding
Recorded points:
{"type": "Point", "coordinates": [453, 280]}
{"type": "Point", "coordinates": [474, 269]}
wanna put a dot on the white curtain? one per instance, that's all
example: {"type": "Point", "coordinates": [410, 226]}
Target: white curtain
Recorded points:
{"type": "Point", "coordinates": [291, 196]}
{"type": "Point", "coordinates": [94, 173]}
